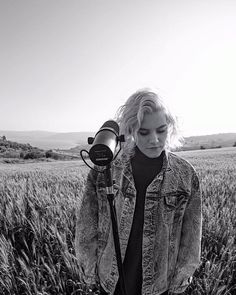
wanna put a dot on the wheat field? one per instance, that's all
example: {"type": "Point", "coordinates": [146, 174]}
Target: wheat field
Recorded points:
{"type": "Point", "coordinates": [38, 202]}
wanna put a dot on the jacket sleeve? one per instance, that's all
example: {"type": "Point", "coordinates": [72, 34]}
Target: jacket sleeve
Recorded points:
{"type": "Point", "coordinates": [87, 232]}
{"type": "Point", "coordinates": [190, 242]}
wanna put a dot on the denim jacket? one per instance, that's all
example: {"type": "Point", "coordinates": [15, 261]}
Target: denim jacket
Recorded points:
{"type": "Point", "coordinates": [171, 231]}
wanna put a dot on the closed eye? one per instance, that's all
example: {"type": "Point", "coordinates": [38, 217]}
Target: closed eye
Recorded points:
{"type": "Point", "coordinates": [161, 131]}
{"type": "Point", "coordinates": [144, 132]}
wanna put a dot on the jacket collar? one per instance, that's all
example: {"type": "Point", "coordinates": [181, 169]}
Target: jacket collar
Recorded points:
{"type": "Point", "coordinates": [124, 160]}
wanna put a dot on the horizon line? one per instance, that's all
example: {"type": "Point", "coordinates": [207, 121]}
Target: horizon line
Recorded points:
{"type": "Point", "coordinates": [61, 132]}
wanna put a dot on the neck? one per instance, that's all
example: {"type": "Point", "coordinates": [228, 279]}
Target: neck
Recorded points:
{"type": "Point", "coordinates": [141, 157]}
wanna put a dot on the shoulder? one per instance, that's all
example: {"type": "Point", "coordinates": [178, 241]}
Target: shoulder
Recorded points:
{"type": "Point", "coordinates": [179, 163]}
{"type": "Point", "coordinates": [122, 160]}
{"type": "Point", "coordinates": [184, 169]}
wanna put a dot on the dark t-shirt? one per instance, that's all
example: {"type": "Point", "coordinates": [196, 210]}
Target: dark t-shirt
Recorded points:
{"type": "Point", "coordinates": [144, 171]}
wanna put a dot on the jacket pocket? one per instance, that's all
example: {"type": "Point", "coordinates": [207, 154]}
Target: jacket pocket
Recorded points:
{"type": "Point", "coordinates": [174, 207]}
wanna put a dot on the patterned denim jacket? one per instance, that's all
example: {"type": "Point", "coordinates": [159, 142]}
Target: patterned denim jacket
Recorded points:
{"type": "Point", "coordinates": [171, 230]}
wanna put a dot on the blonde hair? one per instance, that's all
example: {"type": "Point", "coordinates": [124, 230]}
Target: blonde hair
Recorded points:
{"type": "Point", "coordinates": [130, 115]}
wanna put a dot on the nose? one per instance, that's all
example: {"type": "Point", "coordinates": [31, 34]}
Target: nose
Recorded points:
{"type": "Point", "coordinates": [154, 138]}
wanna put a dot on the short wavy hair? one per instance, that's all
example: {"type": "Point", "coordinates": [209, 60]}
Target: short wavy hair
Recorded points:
{"type": "Point", "coordinates": [130, 115]}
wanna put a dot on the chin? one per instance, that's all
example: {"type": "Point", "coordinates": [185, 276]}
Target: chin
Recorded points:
{"type": "Point", "coordinates": [154, 154]}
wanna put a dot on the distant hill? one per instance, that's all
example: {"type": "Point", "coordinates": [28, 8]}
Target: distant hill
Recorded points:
{"type": "Point", "coordinates": [48, 140]}
{"type": "Point", "coordinates": [77, 140]}
{"type": "Point", "coordinates": [210, 141]}
{"type": "Point", "coordinates": [15, 152]}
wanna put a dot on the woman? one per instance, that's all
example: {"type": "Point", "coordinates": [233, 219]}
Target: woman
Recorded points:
{"type": "Point", "coordinates": [158, 204]}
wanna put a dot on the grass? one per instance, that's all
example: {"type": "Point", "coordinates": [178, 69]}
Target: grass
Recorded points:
{"type": "Point", "coordinates": [216, 169]}
{"type": "Point", "coordinates": [38, 202]}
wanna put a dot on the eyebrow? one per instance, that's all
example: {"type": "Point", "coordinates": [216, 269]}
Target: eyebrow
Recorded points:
{"type": "Point", "coordinates": [162, 126]}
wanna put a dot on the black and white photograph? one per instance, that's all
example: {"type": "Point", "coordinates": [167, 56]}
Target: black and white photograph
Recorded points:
{"type": "Point", "coordinates": [117, 147]}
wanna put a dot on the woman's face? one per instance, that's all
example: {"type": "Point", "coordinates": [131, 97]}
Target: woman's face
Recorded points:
{"type": "Point", "coordinates": [152, 134]}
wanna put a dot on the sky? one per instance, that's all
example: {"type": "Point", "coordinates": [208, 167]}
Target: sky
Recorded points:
{"type": "Point", "coordinates": [67, 66]}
